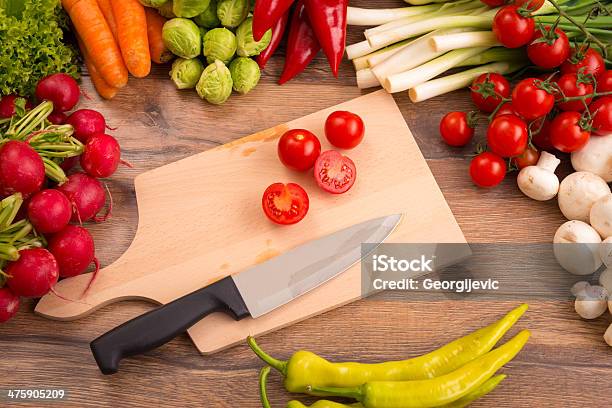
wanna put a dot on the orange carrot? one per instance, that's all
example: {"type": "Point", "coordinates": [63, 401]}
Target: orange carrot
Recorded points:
{"type": "Point", "coordinates": [155, 22]}
{"type": "Point", "coordinates": [90, 24]}
{"type": "Point", "coordinates": [104, 90]}
{"type": "Point", "coordinates": [132, 32]}
{"type": "Point", "coordinates": [107, 10]}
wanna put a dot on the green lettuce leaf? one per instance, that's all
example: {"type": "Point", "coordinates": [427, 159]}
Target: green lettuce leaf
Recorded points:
{"type": "Point", "coordinates": [32, 44]}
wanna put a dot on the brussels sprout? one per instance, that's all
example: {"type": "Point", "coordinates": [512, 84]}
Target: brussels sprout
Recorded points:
{"type": "Point", "coordinates": [219, 44]}
{"type": "Point", "coordinates": [246, 44]}
{"type": "Point", "coordinates": [189, 8]}
{"type": "Point", "coordinates": [209, 17]}
{"type": "Point", "coordinates": [153, 3]}
{"type": "Point", "coordinates": [182, 37]}
{"type": "Point", "coordinates": [203, 32]}
{"type": "Point", "coordinates": [232, 12]}
{"type": "Point", "coordinates": [166, 10]}
{"type": "Point", "coordinates": [245, 74]}
{"type": "Point", "coordinates": [185, 73]}
{"type": "Point", "coordinates": [215, 84]}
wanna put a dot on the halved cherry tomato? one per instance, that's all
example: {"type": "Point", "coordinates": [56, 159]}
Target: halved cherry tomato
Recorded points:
{"type": "Point", "coordinates": [601, 110]}
{"type": "Point", "coordinates": [511, 28]}
{"type": "Point", "coordinates": [285, 203]}
{"type": "Point", "coordinates": [590, 61]}
{"type": "Point", "coordinates": [550, 50]}
{"type": "Point", "coordinates": [529, 158]}
{"type": "Point", "coordinates": [487, 169]}
{"type": "Point", "coordinates": [298, 149]}
{"type": "Point", "coordinates": [455, 129]}
{"type": "Point", "coordinates": [566, 132]}
{"type": "Point", "coordinates": [604, 82]}
{"type": "Point", "coordinates": [507, 136]}
{"type": "Point", "coordinates": [334, 172]}
{"type": "Point", "coordinates": [488, 90]}
{"type": "Point", "coordinates": [344, 129]}
{"type": "Point", "coordinates": [531, 5]}
{"type": "Point", "coordinates": [571, 85]}
{"type": "Point", "coordinates": [530, 100]}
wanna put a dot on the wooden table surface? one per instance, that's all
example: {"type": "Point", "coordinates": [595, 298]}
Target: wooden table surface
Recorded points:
{"type": "Point", "coordinates": [566, 363]}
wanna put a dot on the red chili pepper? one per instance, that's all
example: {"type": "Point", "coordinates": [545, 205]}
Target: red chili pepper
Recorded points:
{"type": "Point", "coordinates": [328, 19]}
{"type": "Point", "coordinates": [277, 35]}
{"type": "Point", "coordinates": [302, 44]}
{"type": "Point", "coordinates": [266, 14]}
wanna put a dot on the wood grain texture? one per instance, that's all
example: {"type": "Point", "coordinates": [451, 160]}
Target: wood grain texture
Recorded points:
{"type": "Point", "coordinates": [565, 364]}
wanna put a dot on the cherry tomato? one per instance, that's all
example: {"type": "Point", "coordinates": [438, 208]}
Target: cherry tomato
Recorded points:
{"type": "Point", "coordinates": [455, 129]}
{"type": "Point", "coordinates": [601, 110]}
{"type": "Point", "coordinates": [591, 61]}
{"type": "Point", "coordinates": [548, 52]}
{"type": "Point", "coordinates": [285, 203]}
{"type": "Point", "coordinates": [506, 109]}
{"type": "Point", "coordinates": [530, 101]}
{"type": "Point", "coordinates": [541, 137]}
{"type": "Point", "coordinates": [298, 149]}
{"type": "Point", "coordinates": [507, 136]}
{"type": "Point", "coordinates": [488, 90]}
{"type": "Point", "coordinates": [566, 133]}
{"type": "Point", "coordinates": [487, 169]}
{"type": "Point", "coordinates": [604, 82]}
{"type": "Point", "coordinates": [529, 158]}
{"type": "Point", "coordinates": [344, 129]}
{"type": "Point", "coordinates": [494, 3]}
{"type": "Point", "coordinates": [531, 5]}
{"type": "Point", "coordinates": [334, 172]}
{"type": "Point", "coordinates": [572, 85]}
{"type": "Point", "coordinates": [511, 28]}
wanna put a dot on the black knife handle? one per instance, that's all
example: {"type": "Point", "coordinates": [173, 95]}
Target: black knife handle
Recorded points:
{"type": "Point", "coordinates": [159, 326]}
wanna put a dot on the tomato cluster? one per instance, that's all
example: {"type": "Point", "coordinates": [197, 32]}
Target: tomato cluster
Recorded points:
{"type": "Point", "coordinates": [556, 111]}
{"type": "Point", "coordinates": [300, 150]}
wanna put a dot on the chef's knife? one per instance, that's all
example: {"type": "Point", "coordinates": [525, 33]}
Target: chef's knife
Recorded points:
{"type": "Point", "coordinates": [253, 292]}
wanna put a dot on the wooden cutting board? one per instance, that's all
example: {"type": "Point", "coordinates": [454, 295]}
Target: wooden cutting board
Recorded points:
{"type": "Point", "coordinates": [200, 219]}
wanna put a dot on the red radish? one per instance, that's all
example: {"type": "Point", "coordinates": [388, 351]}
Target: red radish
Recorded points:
{"type": "Point", "coordinates": [7, 106]}
{"type": "Point", "coordinates": [86, 195]}
{"type": "Point", "coordinates": [61, 89]}
{"type": "Point", "coordinates": [57, 118]}
{"type": "Point", "coordinates": [73, 248]}
{"type": "Point", "coordinates": [34, 274]}
{"type": "Point", "coordinates": [21, 169]}
{"type": "Point", "coordinates": [9, 304]}
{"type": "Point", "coordinates": [49, 211]}
{"type": "Point", "coordinates": [86, 123]}
{"type": "Point", "coordinates": [101, 156]}
{"type": "Point", "coordinates": [69, 163]}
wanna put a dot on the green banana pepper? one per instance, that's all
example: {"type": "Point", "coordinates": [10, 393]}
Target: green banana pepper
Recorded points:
{"type": "Point", "coordinates": [432, 392]}
{"type": "Point", "coordinates": [305, 371]}
{"type": "Point", "coordinates": [480, 392]}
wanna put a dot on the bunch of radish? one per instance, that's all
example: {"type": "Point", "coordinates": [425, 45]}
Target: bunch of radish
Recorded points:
{"type": "Point", "coordinates": [39, 200]}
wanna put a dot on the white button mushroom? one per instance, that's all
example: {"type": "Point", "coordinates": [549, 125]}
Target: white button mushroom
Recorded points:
{"type": "Point", "coordinates": [578, 192]}
{"type": "Point", "coordinates": [579, 288]}
{"type": "Point", "coordinates": [601, 216]}
{"type": "Point", "coordinates": [595, 157]}
{"type": "Point", "coordinates": [605, 252]}
{"type": "Point", "coordinates": [539, 182]}
{"type": "Point", "coordinates": [592, 303]}
{"type": "Point", "coordinates": [608, 336]}
{"type": "Point", "coordinates": [576, 247]}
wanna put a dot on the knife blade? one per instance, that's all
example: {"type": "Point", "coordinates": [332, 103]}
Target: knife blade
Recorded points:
{"type": "Point", "coordinates": [253, 292]}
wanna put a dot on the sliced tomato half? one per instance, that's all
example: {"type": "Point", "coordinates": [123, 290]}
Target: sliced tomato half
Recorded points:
{"type": "Point", "coordinates": [334, 172]}
{"type": "Point", "coordinates": [285, 203]}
